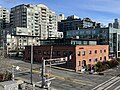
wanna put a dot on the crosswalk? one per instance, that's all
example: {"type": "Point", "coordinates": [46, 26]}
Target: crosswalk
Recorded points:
{"type": "Point", "coordinates": [113, 83]}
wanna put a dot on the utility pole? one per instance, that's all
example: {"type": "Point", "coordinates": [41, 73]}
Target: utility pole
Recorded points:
{"type": "Point", "coordinates": [3, 44]}
{"type": "Point", "coordinates": [31, 64]}
{"type": "Point", "coordinates": [3, 48]}
{"type": "Point", "coordinates": [51, 52]}
{"type": "Point", "coordinates": [43, 73]}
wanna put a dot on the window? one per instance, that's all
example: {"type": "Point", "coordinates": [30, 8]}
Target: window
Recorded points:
{"type": "Point", "coordinates": [39, 52]}
{"type": "Point", "coordinates": [100, 58]}
{"type": "Point", "coordinates": [95, 51]}
{"type": "Point", "coordinates": [78, 53]}
{"type": "Point", "coordinates": [104, 50]}
{"type": "Point", "coordinates": [78, 63]}
{"type": "Point", "coordinates": [90, 52]}
{"type": "Point", "coordinates": [83, 53]}
{"type": "Point", "coordinates": [44, 52]}
{"type": "Point", "coordinates": [70, 52]}
{"type": "Point", "coordinates": [105, 58]}
{"type": "Point", "coordinates": [64, 53]}
{"type": "Point", "coordinates": [35, 52]}
{"type": "Point", "coordinates": [48, 52]}
{"type": "Point", "coordinates": [53, 53]}
{"type": "Point", "coordinates": [70, 57]}
{"type": "Point", "coordinates": [24, 40]}
{"type": "Point", "coordinates": [29, 52]}
{"type": "Point", "coordinates": [58, 53]}
{"type": "Point", "coordinates": [90, 60]}
{"type": "Point", "coordinates": [95, 60]}
{"type": "Point", "coordinates": [100, 51]}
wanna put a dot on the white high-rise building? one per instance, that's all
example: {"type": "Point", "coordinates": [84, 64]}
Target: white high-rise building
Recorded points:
{"type": "Point", "coordinates": [29, 24]}
{"type": "Point", "coordinates": [4, 17]}
{"type": "Point", "coordinates": [38, 18]}
{"type": "Point", "coordinates": [4, 23]}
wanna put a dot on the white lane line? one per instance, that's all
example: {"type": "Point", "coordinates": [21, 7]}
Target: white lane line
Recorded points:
{"type": "Point", "coordinates": [112, 85]}
{"type": "Point", "coordinates": [117, 88]}
{"type": "Point", "coordinates": [109, 83]}
{"type": "Point", "coordinates": [103, 83]}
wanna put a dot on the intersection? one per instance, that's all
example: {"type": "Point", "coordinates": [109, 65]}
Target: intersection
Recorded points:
{"type": "Point", "coordinates": [69, 80]}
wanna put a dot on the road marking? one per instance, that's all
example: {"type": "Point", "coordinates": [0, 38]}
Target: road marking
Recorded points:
{"type": "Point", "coordinates": [109, 83]}
{"type": "Point", "coordinates": [67, 85]}
{"type": "Point", "coordinates": [112, 84]}
{"type": "Point", "coordinates": [87, 83]}
{"type": "Point", "coordinates": [117, 88]}
{"type": "Point", "coordinates": [103, 83]}
{"type": "Point", "coordinates": [71, 80]}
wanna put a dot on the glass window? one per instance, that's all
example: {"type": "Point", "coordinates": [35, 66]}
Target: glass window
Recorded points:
{"type": "Point", "coordinates": [64, 53]}
{"type": "Point", "coordinates": [78, 63]}
{"type": "Point", "coordinates": [58, 53]}
{"type": "Point", "coordinates": [39, 52]}
{"type": "Point", "coordinates": [104, 50]}
{"type": "Point", "coordinates": [95, 60]}
{"type": "Point", "coordinates": [70, 52]}
{"type": "Point", "coordinates": [100, 51]}
{"type": "Point", "coordinates": [78, 53]}
{"type": "Point", "coordinates": [95, 51]}
{"type": "Point", "coordinates": [53, 53]}
{"type": "Point", "coordinates": [83, 53]}
{"type": "Point", "coordinates": [90, 52]}
{"type": "Point", "coordinates": [90, 60]}
{"type": "Point", "coordinates": [44, 52]}
{"type": "Point", "coordinates": [100, 58]}
{"type": "Point", "coordinates": [105, 58]}
{"type": "Point", "coordinates": [48, 52]}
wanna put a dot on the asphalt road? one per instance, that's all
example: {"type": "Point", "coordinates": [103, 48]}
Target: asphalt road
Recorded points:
{"type": "Point", "coordinates": [67, 80]}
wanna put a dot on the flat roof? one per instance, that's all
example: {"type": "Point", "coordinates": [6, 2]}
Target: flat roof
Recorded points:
{"type": "Point", "coordinates": [71, 39]}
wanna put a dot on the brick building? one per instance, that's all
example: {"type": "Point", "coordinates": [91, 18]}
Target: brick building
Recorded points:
{"type": "Point", "coordinates": [79, 57]}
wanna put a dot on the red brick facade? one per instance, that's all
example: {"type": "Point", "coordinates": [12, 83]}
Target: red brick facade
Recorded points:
{"type": "Point", "coordinates": [76, 54]}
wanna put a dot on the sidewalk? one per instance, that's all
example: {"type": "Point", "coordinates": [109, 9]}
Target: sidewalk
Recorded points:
{"type": "Point", "coordinates": [30, 87]}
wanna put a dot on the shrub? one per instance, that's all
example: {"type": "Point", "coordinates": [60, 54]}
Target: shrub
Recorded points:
{"type": "Point", "coordinates": [114, 63]}
{"type": "Point", "coordinates": [101, 66]}
{"type": "Point", "coordinates": [118, 59]}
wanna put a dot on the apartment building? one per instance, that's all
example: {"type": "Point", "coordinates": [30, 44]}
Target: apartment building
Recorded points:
{"type": "Point", "coordinates": [4, 23]}
{"type": "Point", "coordinates": [4, 17]}
{"type": "Point", "coordinates": [75, 23]}
{"type": "Point", "coordinates": [71, 23]}
{"type": "Point", "coordinates": [78, 56]}
{"type": "Point", "coordinates": [38, 18]}
{"type": "Point", "coordinates": [30, 22]}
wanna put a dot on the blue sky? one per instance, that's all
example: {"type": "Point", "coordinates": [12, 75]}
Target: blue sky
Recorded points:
{"type": "Point", "coordinates": [103, 11]}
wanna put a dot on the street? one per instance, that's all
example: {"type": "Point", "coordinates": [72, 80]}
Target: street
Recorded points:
{"type": "Point", "coordinates": [69, 80]}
